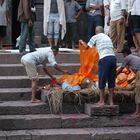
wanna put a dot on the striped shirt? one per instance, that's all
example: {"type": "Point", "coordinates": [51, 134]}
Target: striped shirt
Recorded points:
{"type": "Point", "coordinates": [103, 44]}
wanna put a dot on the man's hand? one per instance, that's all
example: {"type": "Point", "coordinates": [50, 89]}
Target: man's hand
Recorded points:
{"type": "Point", "coordinates": [122, 21]}
{"type": "Point", "coordinates": [94, 6]}
{"type": "Point", "coordinates": [30, 23]}
{"type": "Point", "coordinates": [53, 78]}
{"type": "Point", "coordinates": [83, 43]}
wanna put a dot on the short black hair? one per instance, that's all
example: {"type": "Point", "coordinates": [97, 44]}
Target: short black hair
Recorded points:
{"type": "Point", "coordinates": [126, 50]}
{"type": "Point", "coordinates": [56, 48]}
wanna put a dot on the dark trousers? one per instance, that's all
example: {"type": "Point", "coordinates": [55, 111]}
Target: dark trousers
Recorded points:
{"type": "Point", "coordinates": [26, 33]}
{"type": "Point", "coordinates": [93, 22]}
{"type": "Point", "coordinates": [71, 34]}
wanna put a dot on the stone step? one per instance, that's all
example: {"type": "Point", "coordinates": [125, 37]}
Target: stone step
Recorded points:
{"type": "Point", "coordinates": [115, 133]}
{"type": "Point", "coordinates": [19, 70]}
{"type": "Point", "coordinates": [26, 107]}
{"type": "Point", "coordinates": [106, 110]}
{"type": "Point", "coordinates": [22, 108]}
{"type": "Point", "coordinates": [14, 94]}
{"type": "Point", "coordinates": [18, 122]}
{"type": "Point", "coordinates": [112, 133]}
{"type": "Point", "coordinates": [62, 57]}
{"type": "Point", "coordinates": [21, 81]}
{"type": "Point", "coordinates": [43, 121]}
{"type": "Point", "coordinates": [49, 121]}
{"type": "Point", "coordinates": [14, 58]}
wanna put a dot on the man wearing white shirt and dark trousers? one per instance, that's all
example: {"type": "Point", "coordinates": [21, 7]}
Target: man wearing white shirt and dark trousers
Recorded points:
{"type": "Point", "coordinates": [117, 23]}
{"type": "Point", "coordinates": [39, 57]}
{"type": "Point", "coordinates": [107, 63]}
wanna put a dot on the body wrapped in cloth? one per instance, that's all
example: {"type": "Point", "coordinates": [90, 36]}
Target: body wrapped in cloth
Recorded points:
{"type": "Point", "coordinates": [125, 82]}
{"type": "Point", "coordinates": [88, 70]}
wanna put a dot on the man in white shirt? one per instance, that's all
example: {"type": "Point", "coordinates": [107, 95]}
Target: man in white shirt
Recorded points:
{"type": "Point", "coordinates": [117, 24]}
{"type": "Point", "coordinates": [107, 62]}
{"type": "Point", "coordinates": [40, 57]}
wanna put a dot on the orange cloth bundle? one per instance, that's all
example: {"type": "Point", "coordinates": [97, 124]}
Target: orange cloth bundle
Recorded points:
{"type": "Point", "coordinates": [124, 77]}
{"type": "Point", "coordinates": [88, 68]}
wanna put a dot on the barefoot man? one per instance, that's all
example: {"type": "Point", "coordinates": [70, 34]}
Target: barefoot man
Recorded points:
{"type": "Point", "coordinates": [107, 62]}
{"type": "Point", "coordinates": [39, 57]}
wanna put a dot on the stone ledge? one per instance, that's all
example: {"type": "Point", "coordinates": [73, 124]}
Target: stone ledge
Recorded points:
{"type": "Point", "coordinates": [19, 122]}
{"type": "Point", "coordinates": [112, 133]}
{"type": "Point", "coordinates": [22, 108]}
{"type": "Point", "coordinates": [48, 121]}
{"type": "Point", "coordinates": [106, 110]}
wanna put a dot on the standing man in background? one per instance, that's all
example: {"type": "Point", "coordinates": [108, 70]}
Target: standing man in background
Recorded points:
{"type": "Point", "coordinates": [73, 11]}
{"type": "Point", "coordinates": [117, 23]}
{"type": "Point", "coordinates": [26, 16]}
{"type": "Point", "coordinates": [94, 16]}
{"type": "Point", "coordinates": [54, 20]}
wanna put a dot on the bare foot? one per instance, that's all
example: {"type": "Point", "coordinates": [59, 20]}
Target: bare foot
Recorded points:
{"type": "Point", "coordinates": [135, 115]}
{"type": "Point", "coordinates": [35, 101]}
{"type": "Point", "coordinates": [136, 50]}
{"type": "Point", "coordinates": [100, 103]}
{"type": "Point", "coordinates": [111, 103]}
{"type": "Point", "coordinates": [47, 87]}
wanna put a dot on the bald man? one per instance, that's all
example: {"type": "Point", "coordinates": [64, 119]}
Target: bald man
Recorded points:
{"type": "Point", "coordinates": [107, 62]}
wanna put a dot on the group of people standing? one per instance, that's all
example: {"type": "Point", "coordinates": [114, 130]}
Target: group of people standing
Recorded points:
{"type": "Point", "coordinates": [60, 17]}
{"type": "Point", "coordinates": [122, 14]}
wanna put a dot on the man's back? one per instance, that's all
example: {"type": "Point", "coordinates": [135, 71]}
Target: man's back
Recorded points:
{"type": "Point", "coordinates": [103, 44]}
{"type": "Point", "coordinates": [40, 56]}
{"type": "Point", "coordinates": [132, 61]}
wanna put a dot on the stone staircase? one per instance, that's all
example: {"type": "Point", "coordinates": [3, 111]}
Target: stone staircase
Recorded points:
{"type": "Point", "coordinates": [21, 120]}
